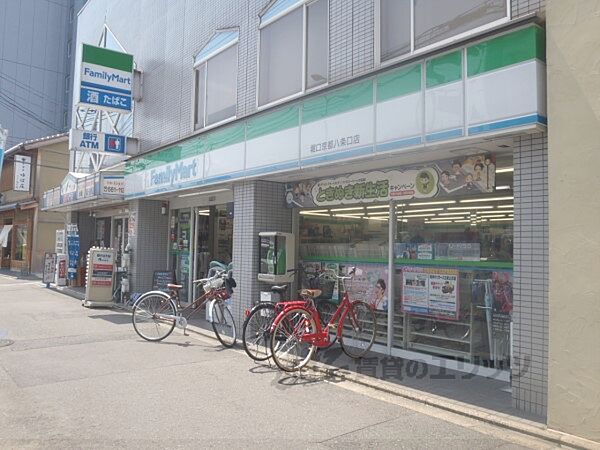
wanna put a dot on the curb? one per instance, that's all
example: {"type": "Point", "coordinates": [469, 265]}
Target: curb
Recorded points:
{"type": "Point", "coordinates": [67, 291]}
{"type": "Point", "coordinates": [488, 416]}
{"type": "Point", "coordinates": [491, 417]}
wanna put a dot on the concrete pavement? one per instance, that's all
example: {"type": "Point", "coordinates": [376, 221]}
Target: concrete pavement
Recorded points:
{"type": "Point", "coordinates": [80, 378]}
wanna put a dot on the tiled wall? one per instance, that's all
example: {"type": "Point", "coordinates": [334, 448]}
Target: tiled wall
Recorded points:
{"type": "Point", "coordinates": [259, 206]}
{"type": "Point", "coordinates": [149, 244]}
{"type": "Point", "coordinates": [522, 7]}
{"type": "Point", "coordinates": [530, 314]}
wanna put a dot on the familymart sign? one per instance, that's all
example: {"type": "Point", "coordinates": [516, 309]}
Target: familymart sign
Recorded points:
{"type": "Point", "coordinates": [106, 79]}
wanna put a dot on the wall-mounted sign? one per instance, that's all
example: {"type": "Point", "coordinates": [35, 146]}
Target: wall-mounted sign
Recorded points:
{"type": "Point", "coordinates": [461, 176]}
{"type": "Point", "coordinates": [113, 185]}
{"type": "Point", "coordinates": [96, 142]}
{"type": "Point", "coordinates": [22, 174]}
{"type": "Point", "coordinates": [430, 292]}
{"type": "Point", "coordinates": [106, 79]}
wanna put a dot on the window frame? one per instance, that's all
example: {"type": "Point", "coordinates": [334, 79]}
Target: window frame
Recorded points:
{"type": "Point", "coordinates": [304, 4]}
{"type": "Point", "coordinates": [204, 63]}
{"type": "Point", "coordinates": [436, 45]}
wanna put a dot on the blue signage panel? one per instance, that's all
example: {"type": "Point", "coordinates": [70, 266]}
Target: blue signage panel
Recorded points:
{"type": "Point", "coordinates": [105, 99]}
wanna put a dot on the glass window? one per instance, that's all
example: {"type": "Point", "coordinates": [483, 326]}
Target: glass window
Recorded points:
{"type": "Point", "coordinates": [436, 20]}
{"type": "Point", "coordinates": [281, 58]}
{"type": "Point", "coordinates": [395, 28]}
{"type": "Point", "coordinates": [282, 47]}
{"type": "Point", "coordinates": [216, 88]}
{"type": "Point", "coordinates": [317, 48]}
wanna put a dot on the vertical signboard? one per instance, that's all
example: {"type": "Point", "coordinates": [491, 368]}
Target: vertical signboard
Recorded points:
{"type": "Point", "coordinates": [100, 271]}
{"type": "Point", "coordinates": [3, 134]}
{"type": "Point", "coordinates": [49, 267]}
{"type": "Point", "coordinates": [106, 79]}
{"type": "Point", "coordinates": [22, 173]}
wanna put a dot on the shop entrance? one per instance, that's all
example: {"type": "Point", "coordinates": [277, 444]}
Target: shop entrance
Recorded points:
{"type": "Point", "coordinates": [5, 243]}
{"type": "Point", "coordinates": [198, 236]}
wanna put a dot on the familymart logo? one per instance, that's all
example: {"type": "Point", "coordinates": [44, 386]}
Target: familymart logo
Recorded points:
{"type": "Point", "coordinates": [174, 174]}
{"type": "Point", "coordinates": [109, 77]}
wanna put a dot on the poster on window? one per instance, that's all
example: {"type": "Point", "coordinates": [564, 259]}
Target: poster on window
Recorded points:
{"type": "Point", "coordinates": [369, 284]}
{"type": "Point", "coordinates": [430, 292]}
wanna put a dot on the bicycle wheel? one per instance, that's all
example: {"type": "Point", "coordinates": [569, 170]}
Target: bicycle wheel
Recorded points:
{"type": "Point", "coordinates": [223, 324]}
{"type": "Point", "coordinates": [153, 316]}
{"type": "Point", "coordinates": [289, 352]}
{"type": "Point", "coordinates": [326, 309]}
{"type": "Point", "coordinates": [256, 332]}
{"type": "Point", "coordinates": [359, 327]}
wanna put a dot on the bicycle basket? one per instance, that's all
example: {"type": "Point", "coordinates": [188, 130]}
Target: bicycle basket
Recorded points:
{"type": "Point", "coordinates": [213, 284]}
{"type": "Point", "coordinates": [326, 286]}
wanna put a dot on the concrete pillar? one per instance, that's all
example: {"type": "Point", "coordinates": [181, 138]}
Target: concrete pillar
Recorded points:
{"type": "Point", "coordinates": [259, 206]}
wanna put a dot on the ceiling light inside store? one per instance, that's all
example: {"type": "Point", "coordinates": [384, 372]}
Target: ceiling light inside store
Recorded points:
{"type": "Point", "coordinates": [505, 170]}
{"type": "Point", "coordinates": [445, 202]}
{"type": "Point", "coordinates": [204, 211]}
{"type": "Point", "coordinates": [503, 188]}
{"type": "Point", "coordinates": [489, 199]}
{"type": "Point", "coordinates": [379, 213]}
{"type": "Point", "coordinates": [314, 211]}
{"type": "Point", "coordinates": [358, 208]}
{"type": "Point", "coordinates": [494, 216]}
{"type": "Point", "coordinates": [502, 220]}
{"type": "Point", "coordinates": [405, 216]}
{"type": "Point", "coordinates": [422, 210]}
{"type": "Point", "coordinates": [462, 221]}
{"type": "Point", "coordinates": [356, 216]}
{"type": "Point", "coordinates": [457, 208]}
{"type": "Point", "coordinates": [214, 191]}
{"type": "Point", "coordinates": [439, 221]}
{"type": "Point", "coordinates": [307, 213]}
{"type": "Point", "coordinates": [454, 213]}
{"type": "Point", "coordinates": [378, 207]}
{"type": "Point", "coordinates": [383, 219]}
{"type": "Point", "coordinates": [506, 206]}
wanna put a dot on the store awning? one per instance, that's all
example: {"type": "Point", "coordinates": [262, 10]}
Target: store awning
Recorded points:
{"type": "Point", "coordinates": [78, 191]}
{"type": "Point", "coordinates": [4, 233]}
{"type": "Point", "coordinates": [8, 206]}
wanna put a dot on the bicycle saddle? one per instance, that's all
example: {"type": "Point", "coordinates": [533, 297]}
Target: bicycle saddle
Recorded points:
{"type": "Point", "coordinates": [279, 289]}
{"type": "Point", "coordinates": [310, 293]}
{"type": "Point", "coordinates": [174, 286]}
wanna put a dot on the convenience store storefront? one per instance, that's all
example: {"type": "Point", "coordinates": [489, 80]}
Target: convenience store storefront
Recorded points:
{"type": "Point", "coordinates": [443, 287]}
{"type": "Point", "coordinates": [429, 149]}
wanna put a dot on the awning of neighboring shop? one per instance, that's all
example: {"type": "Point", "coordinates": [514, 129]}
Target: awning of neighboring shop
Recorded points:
{"type": "Point", "coordinates": [4, 233]}
{"type": "Point", "coordinates": [27, 204]}
{"type": "Point", "coordinates": [81, 191]}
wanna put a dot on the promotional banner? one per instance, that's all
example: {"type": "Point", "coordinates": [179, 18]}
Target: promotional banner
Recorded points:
{"type": "Point", "coordinates": [430, 292]}
{"type": "Point", "coordinates": [73, 249]}
{"type": "Point", "coordinates": [96, 142]}
{"type": "Point", "coordinates": [106, 79]}
{"type": "Point", "coordinates": [61, 269]}
{"type": "Point", "coordinates": [462, 176]}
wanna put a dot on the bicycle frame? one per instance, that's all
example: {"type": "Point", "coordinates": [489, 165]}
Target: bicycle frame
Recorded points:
{"type": "Point", "coordinates": [194, 306]}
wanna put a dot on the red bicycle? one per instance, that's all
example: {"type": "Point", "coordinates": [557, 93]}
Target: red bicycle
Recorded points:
{"type": "Point", "coordinates": [297, 332]}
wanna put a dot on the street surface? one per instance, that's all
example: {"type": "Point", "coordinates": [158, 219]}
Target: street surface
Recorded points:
{"type": "Point", "coordinates": [80, 378]}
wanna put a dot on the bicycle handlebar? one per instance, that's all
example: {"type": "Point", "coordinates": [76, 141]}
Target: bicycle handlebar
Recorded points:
{"type": "Point", "coordinates": [219, 274]}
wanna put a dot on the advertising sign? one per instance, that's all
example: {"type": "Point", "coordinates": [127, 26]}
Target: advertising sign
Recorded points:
{"type": "Point", "coordinates": [22, 174]}
{"type": "Point", "coordinates": [102, 268]}
{"type": "Point", "coordinates": [96, 142]}
{"type": "Point", "coordinates": [470, 175]}
{"type": "Point", "coordinates": [59, 246]}
{"type": "Point", "coordinates": [430, 292]}
{"type": "Point", "coordinates": [106, 79]}
{"type": "Point", "coordinates": [49, 267]}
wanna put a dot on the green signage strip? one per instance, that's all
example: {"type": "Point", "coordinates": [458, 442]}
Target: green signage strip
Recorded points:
{"type": "Point", "coordinates": [444, 69]}
{"type": "Point", "coordinates": [279, 120]}
{"type": "Point", "coordinates": [512, 48]}
{"type": "Point", "coordinates": [107, 58]}
{"type": "Point", "coordinates": [343, 100]}
{"type": "Point", "coordinates": [474, 265]}
{"type": "Point", "coordinates": [398, 83]}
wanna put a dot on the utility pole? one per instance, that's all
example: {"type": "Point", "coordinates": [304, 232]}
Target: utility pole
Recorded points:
{"type": "Point", "coordinates": [3, 136]}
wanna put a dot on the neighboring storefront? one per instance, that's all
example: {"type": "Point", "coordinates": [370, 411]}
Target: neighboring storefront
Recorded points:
{"type": "Point", "coordinates": [94, 209]}
{"type": "Point", "coordinates": [26, 231]}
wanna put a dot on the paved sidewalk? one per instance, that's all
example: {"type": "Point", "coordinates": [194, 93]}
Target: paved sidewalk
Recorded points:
{"type": "Point", "coordinates": [81, 378]}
